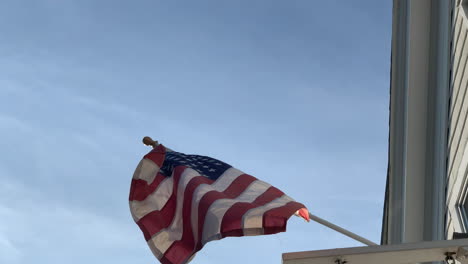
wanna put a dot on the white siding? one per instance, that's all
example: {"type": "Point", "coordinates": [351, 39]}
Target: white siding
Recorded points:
{"type": "Point", "coordinates": [458, 131]}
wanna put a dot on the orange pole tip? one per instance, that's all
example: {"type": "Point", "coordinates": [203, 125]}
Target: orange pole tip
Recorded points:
{"type": "Point", "coordinates": [304, 213]}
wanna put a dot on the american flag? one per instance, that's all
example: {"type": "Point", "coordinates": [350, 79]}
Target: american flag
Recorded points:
{"type": "Point", "coordinates": [181, 202]}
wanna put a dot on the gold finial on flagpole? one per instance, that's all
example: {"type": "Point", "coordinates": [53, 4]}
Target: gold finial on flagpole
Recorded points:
{"type": "Point", "coordinates": [150, 142]}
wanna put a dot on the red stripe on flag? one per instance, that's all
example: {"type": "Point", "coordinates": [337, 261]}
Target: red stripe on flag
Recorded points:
{"type": "Point", "coordinates": [182, 250]}
{"type": "Point", "coordinates": [153, 222]}
{"type": "Point", "coordinates": [157, 155]}
{"type": "Point", "coordinates": [231, 224]}
{"type": "Point", "coordinates": [140, 189]}
{"type": "Point", "coordinates": [235, 189]}
{"type": "Point", "coordinates": [275, 220]}
{"type": "Point", "coordinates": [184, 247]}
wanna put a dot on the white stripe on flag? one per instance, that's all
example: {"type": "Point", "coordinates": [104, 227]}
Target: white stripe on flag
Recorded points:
{"type": "Point", "coordinates": [252, 221]}
{"type": "Point", "coordinates": [221, 184]}
{"type": "Point", "coordinates": [154, 249]}
{"type": "Point", "coordinates": [146, 170]}
{"type": "Point", "coordinates": [154, 201]}
{"type": "Point", "coordinates": [212, 225]}
{"type": "Point", "coordinates": [164, 239]}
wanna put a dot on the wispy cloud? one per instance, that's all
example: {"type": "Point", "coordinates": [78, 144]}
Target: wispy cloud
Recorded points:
{"type": "Point", "coordinates": [8, 252]}
{"type": "Point", "coordinates": [32, 221]}
{"type": "Point", "coordinates": [12, 123]}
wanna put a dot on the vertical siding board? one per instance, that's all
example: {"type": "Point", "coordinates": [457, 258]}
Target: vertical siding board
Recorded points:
{"type": "Point", "coordinates": [455, 20]}
{"type": "Point", "coordinates": [457, 181]}
{"type": "Point", "coordinates": [457, 30]}
{"type": "Point", "coordinates": [458, 44]}
{"type": "Point", "coordinates": [460, 62]}
{"type": "Point", "coordinates": [458, 122]}
{"type": "Point", "coordinates": [458, 116]}
{"type": "Point", "coordinates": [454, 139]}
{"type": "Point", "coordinates": [458, 134]}
{"type": "Point", "coordinates": [449, 232]}
{"type": "Point", "coordinates": [460, 66]}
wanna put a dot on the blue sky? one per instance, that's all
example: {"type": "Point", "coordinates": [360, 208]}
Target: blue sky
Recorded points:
{"type": "Point", "coordinates": [292, 92]}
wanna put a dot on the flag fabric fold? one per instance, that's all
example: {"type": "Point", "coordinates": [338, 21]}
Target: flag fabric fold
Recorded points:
{"type": "Point", "coordinates": [181, 202]}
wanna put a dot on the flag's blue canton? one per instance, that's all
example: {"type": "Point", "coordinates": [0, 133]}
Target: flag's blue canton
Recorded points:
{"type": "Point", "coordinates": [206, 166]}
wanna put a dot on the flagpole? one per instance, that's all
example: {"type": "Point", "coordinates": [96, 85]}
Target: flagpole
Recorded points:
{"type": "Point", "coordinates": [153, 143]}
{"type": "Point", "coordinates": [150, 142]}
{"type": "Point", "coordinates": [341, 230]}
